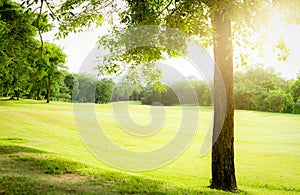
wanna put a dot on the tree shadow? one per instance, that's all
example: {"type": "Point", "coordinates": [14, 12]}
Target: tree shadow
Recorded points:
{"type": "Point", "coordinates": [21, 101]}
{"type": "Point", "coordinates": [10, 149]}
{"type": "Point", "coordinates": [7, 99]}
{"type": "Point", "coordinates": [26, 170]}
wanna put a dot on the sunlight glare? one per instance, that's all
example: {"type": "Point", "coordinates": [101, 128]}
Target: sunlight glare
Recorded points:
{"type": "Point", "coordinates": [275, 30]}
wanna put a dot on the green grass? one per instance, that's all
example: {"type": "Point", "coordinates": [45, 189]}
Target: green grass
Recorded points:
{"type": "Point", "coordinates": [41, 152]}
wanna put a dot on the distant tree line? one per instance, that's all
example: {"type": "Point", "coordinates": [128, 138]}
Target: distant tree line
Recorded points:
{"type": "Point", "coordinates": [187, 89]}
{"type": "Point", "coordinates": [263, 90]}
{"type": "Point", "coordinates": [258, 88]}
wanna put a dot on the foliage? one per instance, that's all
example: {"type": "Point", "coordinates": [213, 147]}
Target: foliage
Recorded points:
{"type": "Point", "coordinates": [296, 89]}
{"type": "Point", "coordinates": [258, 88]}
{"type": "Point", "coordinates": [104, 89]}
{"type": "Point", "coordinates": [150, 96]}
{"type": "Point", "coordinates": [17, 47]}
{"type": "Point", "coordinates": [278, 101]}
{"type": "Point", "coordinates": [71, 83]}
{"type": "Point", "coordinates": [26, 70]}
{"type": "Point", "coordinates": [121, 92]}
{"type": "Point", "coordinates": [70, 16]}
{"type": "Point", "coordinates": [262, 89]}
{"type": "Point", "coordinates": [244, 93]}
{"type": "Point", "coordinates": [86, 89]}
{"type": "Point", "coordinates": [186, 92]}
{"type": "Point", "coordinates": [53, 60]}
{"type": "Point", "coordinates": [297, 107]}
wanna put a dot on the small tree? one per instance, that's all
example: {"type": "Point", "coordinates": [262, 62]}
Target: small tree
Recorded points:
{"type": "Point", "coordinates": [104, 89]}
{"type": "Point", "coordinates": [53, 59]}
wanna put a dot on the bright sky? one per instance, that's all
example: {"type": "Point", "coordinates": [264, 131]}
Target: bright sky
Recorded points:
{"type": "Point", "coordinates": [78, 46]}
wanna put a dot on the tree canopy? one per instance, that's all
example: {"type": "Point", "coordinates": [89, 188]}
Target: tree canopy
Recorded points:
{"type": "Point", "coordinates": [25, 65]}
{"type": "Point", "coordinates": [17, 43]}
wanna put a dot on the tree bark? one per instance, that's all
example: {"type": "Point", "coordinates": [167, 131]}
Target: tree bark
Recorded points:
{"type": "Point", "coordinates": [223, 169]}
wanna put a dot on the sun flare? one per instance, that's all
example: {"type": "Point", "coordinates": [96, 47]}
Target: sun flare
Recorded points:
{"type": "Point", "coordinates": [276, 44]}
{"type": "Point", "coordinates": [275, 28]}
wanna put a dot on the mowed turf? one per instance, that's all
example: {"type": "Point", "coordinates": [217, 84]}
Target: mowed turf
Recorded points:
{"type": "Point", "coordinates": [41, 151]}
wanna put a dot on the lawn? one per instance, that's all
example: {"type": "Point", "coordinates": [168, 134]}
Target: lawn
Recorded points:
{"type": "Point", "coordinates": [41, 152]}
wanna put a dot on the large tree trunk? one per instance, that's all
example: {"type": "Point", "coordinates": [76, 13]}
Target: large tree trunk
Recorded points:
{"type": "Point", "coordinates": [223, 170]}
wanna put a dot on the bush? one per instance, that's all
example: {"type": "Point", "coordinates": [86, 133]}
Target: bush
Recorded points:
{"type": "Point", "coordinates": [288, 104]}
{"type": "Point", "coordinates": [151, 96]}
{"type": "Point", "coordinates": [244, 94]}
{"type": "Point", "coordinates": [279, 101]}
{"type": "Point", "coordinates": [274, 101]}
{"type": "Point", "coordinates": [297, 107]}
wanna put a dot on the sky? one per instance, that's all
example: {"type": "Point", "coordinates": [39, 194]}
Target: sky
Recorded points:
{"type": "Point", "coordinates": [79, 46]}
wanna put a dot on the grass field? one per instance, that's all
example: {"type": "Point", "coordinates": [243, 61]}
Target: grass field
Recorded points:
{"type": "Point", "coordinates": [41, 152]}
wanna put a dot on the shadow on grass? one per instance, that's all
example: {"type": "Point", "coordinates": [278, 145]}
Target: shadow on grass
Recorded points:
{"type": "Point", "coordinates": [21, 101]}
{"type": "Point", "coordinates": [14, 140]}
{"type": "Point", "coordinates": [10, 149]}
{"type": "Point", "coordinates": [7, 99]}
{"type": "Point", "coordinates": [25, 170]}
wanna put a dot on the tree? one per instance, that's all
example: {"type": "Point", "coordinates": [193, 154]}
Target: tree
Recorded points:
{"type": "Point", "coordinates": [104, 89]}
{"type": "Point", "coordinates": [279, 101]}
{"type": "Point", "coordinates": [86, 84]}
{"type": "Point", "coordinates": [267, 92]}
{"type": "Point", "coordinates": [296, 89]}
{"type": "Point", "coordinates": [121, 92]}
{"type": "Point", "coordinates": [244, 93]}
{"type": "Point", "coordinates": [223, 168]}
{"type": "Point", "coordinates": [203, 92]}
{"type": "Point", "coordinates": [37, 80]}
{"type": "Point", "coordinates": [53, 60]}
{"type": "Point", "coordinates": [297, 107]}
{"type": "Point", "coordinates": [210, 20]}
{"type": "Point", "coordinates": [19, 72]}
{"type": "Point", "coordinates": [192, 18]}
{"type": "Point", "coordinates": [253, 87]}
{"type": "Point", "coordinates": [186, 88]}
{"type": "Point", "coordinates": [151, 96]}
{"type": "Point", "coordinates": [18, 45]}
{"type": "Point", "coordinates": [71, 83]}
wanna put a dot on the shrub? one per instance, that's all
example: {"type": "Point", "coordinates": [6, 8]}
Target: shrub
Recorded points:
{"type": "Point", "coordinates": [297, 107]}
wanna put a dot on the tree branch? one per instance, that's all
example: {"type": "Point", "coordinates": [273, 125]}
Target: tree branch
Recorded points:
{"type": "Point", "coordinates": [39, 28]}
{"type": "Point", "coordinates": [166, 7]}
{"type": "Point", "coordinates": [50, 9]}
